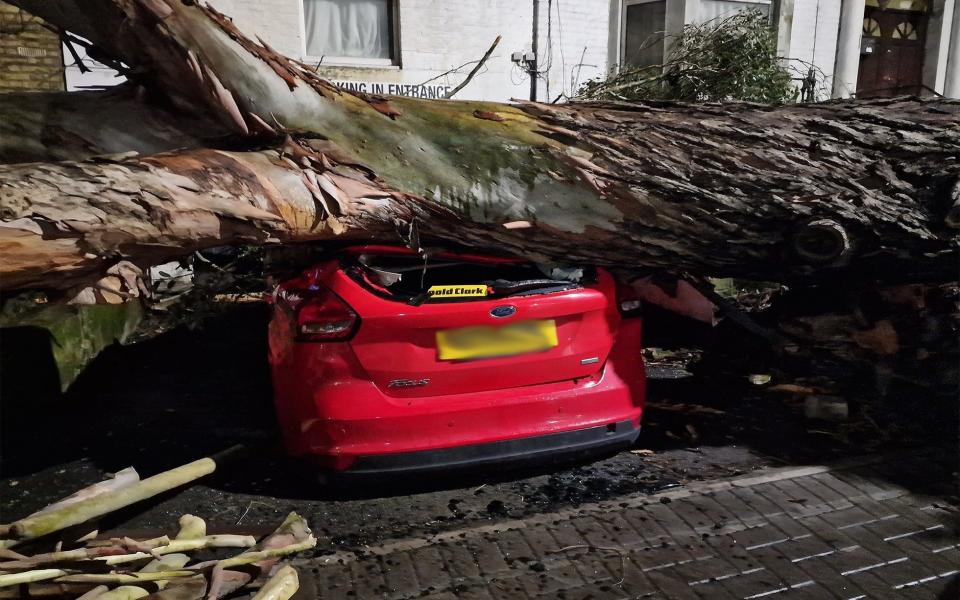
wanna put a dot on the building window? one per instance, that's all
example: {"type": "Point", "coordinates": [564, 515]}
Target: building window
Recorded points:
{"type": "Point", "coordinates": [349, 31]}
{"type": "Point", "coordinates": [905, 31]}
{"type": "Point", "coordinates": [643, 25]}
{"type": "Point", "coordinates": [871, 28]}
{"type": "Point", "coordinates": [721, 9]}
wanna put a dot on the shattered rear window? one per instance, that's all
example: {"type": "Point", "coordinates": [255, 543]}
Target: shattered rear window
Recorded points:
{"type": "Point", "coordinates": [415, 280]}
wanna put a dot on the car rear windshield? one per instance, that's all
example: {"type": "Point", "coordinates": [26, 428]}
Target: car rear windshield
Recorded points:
{"type": "Point", "coordinates": [416, 280]}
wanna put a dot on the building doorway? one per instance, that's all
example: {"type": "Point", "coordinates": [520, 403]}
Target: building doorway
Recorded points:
{"type": "Point", "coordinates": [892, 48]}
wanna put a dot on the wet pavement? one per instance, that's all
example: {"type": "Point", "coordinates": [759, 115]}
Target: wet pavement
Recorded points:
{"type": "Point", "coordinates": [189, 393]}
{"type": "Point", "coordinates": [839, 531]}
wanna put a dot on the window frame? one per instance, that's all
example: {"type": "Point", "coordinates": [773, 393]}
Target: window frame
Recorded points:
{"type": "Point", "coordinates": [770, 4]}
{"type": "Point", "coordinates": [393, 15]}
{"type": "Point", "coordinates": [767, 2]}
{"type": "Point", "coordinates": [623, 26]}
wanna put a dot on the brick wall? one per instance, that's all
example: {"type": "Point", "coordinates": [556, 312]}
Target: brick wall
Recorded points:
{"type": "Point", "coordinates": [31, 57]}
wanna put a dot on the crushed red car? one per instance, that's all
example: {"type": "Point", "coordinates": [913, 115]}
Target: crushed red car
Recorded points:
{"type": "Point", "coordinates": [385, 361]}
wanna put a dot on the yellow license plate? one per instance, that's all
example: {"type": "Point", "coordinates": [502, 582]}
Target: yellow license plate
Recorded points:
{"type": "Point", "coordinates": [486, 341]}
{"type": "Point", "coordinates": [456, 291]}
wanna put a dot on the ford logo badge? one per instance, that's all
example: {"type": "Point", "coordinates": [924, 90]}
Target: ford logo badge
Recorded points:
{"type": "Point", "coordinates": [503, 311]}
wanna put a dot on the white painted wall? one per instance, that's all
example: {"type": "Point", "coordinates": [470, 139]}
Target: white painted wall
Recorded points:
{"type": "Point", "coordinates": [277, 21]}
{"type": "Point", "coordinates": [952, 76]}
{"type": "Point", "coordinates": [580, 32]}
{"type": "Point", "coordinates": [937, 50]}
{"type": "Point", "coordinates": [578, 40]}
{"type": "Point", "coordinates": [813, 41]}
{"type": "Point", "coordinates": [436, 37]}
{"type": "Point", "coordinates": [96, 76]}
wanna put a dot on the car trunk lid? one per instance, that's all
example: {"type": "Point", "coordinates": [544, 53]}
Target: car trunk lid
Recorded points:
{"type": "Point", "coordinates": [464, 324]}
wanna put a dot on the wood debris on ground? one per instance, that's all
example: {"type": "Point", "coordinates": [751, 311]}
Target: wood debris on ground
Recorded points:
{"type": "Point", "coordinates": [57, 552]}
{"type": "Point", "coordinates": [686, 408]}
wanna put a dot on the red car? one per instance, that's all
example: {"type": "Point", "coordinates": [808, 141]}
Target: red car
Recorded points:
{"type": "Point", "coordinates": [384, 361]}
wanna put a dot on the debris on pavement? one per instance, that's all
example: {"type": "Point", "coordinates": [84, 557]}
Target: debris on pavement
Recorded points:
{"type": "Point", "coordinates": [53, 557]}
{"type": "Point", "coordinates": [105, 497]}
{"type": "Point", "coordinates": [693, 436]}
{"type": "Point", "coordinates": [826, 408]}
{"type": "Point", "coordinates": [281, 586]}
{"type": "Point", "coordinates": [662, 363]}
{"type": "Point", "coordinates": [690, 409]}
{"type": "Point", "coordinates": [795, 389]}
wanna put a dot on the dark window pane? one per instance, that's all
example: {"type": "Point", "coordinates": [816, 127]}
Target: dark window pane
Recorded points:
{"type": "Point", "coordinates": [643, 43]}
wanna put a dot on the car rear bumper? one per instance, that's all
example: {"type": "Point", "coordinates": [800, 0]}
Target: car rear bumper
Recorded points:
{"type": "Point", "coordinates": [348, 420]}
{"type": "Point", "coordinates": [557, 446]}
{"type": "Point", "coordinates": [330, 410]}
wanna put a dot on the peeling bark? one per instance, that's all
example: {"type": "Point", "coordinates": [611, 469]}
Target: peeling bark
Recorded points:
{"type": "Point", "coordinates": [787, 193]}
{"type": "Point", "coordinates": [218, 139]}
{"type": "Point", "coordinates": [50, 127]}
{"type": "Point", "coordinates": [67, 222]}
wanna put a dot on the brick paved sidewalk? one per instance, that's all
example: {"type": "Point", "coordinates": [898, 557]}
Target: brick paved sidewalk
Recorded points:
{"type": "Point", "coordinates": [807, 532]}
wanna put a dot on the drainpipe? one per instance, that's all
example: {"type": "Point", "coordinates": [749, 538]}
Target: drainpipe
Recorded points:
{"type": "Point", "coordinates": [847, 67]}
{"type": "Point", "coordinates": [951, 88]}
{"type": "Point", "coordinates": [613, 39]}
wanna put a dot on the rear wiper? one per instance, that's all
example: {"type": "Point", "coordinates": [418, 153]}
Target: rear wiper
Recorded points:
{"type": "Point", "coordinates": [510, 288]}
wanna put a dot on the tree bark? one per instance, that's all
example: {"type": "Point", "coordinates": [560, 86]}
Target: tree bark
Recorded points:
{"type": "Point", "coordinates": [786, 193]}
{"type": "Point", "coordinates": [217, 139]}
{"type": "Point", "coordinates": [66, 223]}
{"type": "Point", "coordinates": [59, 126]}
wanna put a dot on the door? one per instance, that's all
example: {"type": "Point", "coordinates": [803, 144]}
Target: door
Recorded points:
{"type": "Point", "coordinates": [891, 52]}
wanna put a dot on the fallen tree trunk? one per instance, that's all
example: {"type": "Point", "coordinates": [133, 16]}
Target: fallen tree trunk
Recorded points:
{"type": "Point", "coordinates": [786, 193]}
{"type": "Point", "coordinates": [219, 140]}
{"type": "Point", "coordinates": [60, 126]}
{"type": "Point", "coordinates": [73, 220]}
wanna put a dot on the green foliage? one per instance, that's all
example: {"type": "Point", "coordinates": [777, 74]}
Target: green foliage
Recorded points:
{"type": "Point", "coordinates": [78, 332]}
{"type": "Point", "coordinates": [721, 60]}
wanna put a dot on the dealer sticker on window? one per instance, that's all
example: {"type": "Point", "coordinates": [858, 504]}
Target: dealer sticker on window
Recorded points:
{"type": "Point", "coordinates": [456, 291]}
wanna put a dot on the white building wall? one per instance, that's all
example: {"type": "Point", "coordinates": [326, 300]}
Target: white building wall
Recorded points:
{"type": "Point", "coordinates": [96, 76]}
{"type": "Point", "coordinates": [578, 40]}
{"type": "Point", "coordinates": [578, 47]}
{"type": "Point", "coordinates": [937, 50]}
{"type": "Point", "coordinates": [952, 75]}
{"type": "Point", "coordinates": [436, 37]}
{"type": "Point", "coordinates": [813, 41]}
{"type": "Point", "coordinates": [276, 21]}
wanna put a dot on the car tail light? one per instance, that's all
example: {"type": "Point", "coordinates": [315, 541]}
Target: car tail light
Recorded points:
{"type": "Point", "coordinates": [628, 301]}
{"type": "Point", "coordinates": [320, 315]}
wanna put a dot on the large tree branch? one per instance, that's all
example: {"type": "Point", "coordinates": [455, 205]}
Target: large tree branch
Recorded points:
{"type": "Point", "coordinates": [238, 144]}
{"type": "Point", "coordinates": [56, 126]}
{"type": "Point", "coordinates": [786, 192]}
{"type": "Point", "coordinates": [64, 224]}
